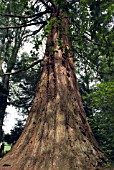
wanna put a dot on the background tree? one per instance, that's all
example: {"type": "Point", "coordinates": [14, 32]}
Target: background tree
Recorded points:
{"type": "Point", "coordinates": [12, 40]}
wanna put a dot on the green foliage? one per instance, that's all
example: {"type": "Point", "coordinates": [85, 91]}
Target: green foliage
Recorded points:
{"type": "Point", "coordinates": [102, 118]}
{"type": "Point", "coordinates": [50, 24]}
{"type": "Point", "coordinates": [103, 95]}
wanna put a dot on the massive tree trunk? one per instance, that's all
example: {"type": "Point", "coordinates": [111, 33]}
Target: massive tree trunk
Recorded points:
{"type": "Point", "coordinates": [57, 135]}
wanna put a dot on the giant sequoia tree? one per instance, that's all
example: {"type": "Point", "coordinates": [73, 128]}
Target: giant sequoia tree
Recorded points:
{"type": "Point", "coordinates": [57, 135]}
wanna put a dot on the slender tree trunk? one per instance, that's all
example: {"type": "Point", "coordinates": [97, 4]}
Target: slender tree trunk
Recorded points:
{"type": "Point", "coordinates": [4, 86]}
{"type": "Point", "coordinates": [4, 90]}
{"type": "Point", "coordinates": [57, 135]}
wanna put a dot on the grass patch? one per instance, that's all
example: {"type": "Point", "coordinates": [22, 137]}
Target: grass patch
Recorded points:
{"type": "Point", "coordinates": [7, 147]}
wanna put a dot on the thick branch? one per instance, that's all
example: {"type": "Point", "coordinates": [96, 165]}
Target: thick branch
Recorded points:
{"type": "Point", "coordinates": [31, 16]}
{"type": "Point", "coordinates": [31, 21]}
{"type": "Point", "coordinates": [24, 25]}
{"type": "Point", "coordinates": [35, 32]}
{"type": "Point", "coordinates": [18, 71]}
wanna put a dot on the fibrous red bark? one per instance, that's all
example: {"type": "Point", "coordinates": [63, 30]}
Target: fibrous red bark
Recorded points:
{"type": "Point", "coordinates": [57, 135]}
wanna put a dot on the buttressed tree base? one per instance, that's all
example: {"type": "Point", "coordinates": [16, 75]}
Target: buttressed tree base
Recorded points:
{"type": "Point", "coordinates": [57, 135]}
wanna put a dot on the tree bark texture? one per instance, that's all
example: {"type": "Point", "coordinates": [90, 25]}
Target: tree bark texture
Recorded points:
{"type": "Point", "coordinates": [57, 135]}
